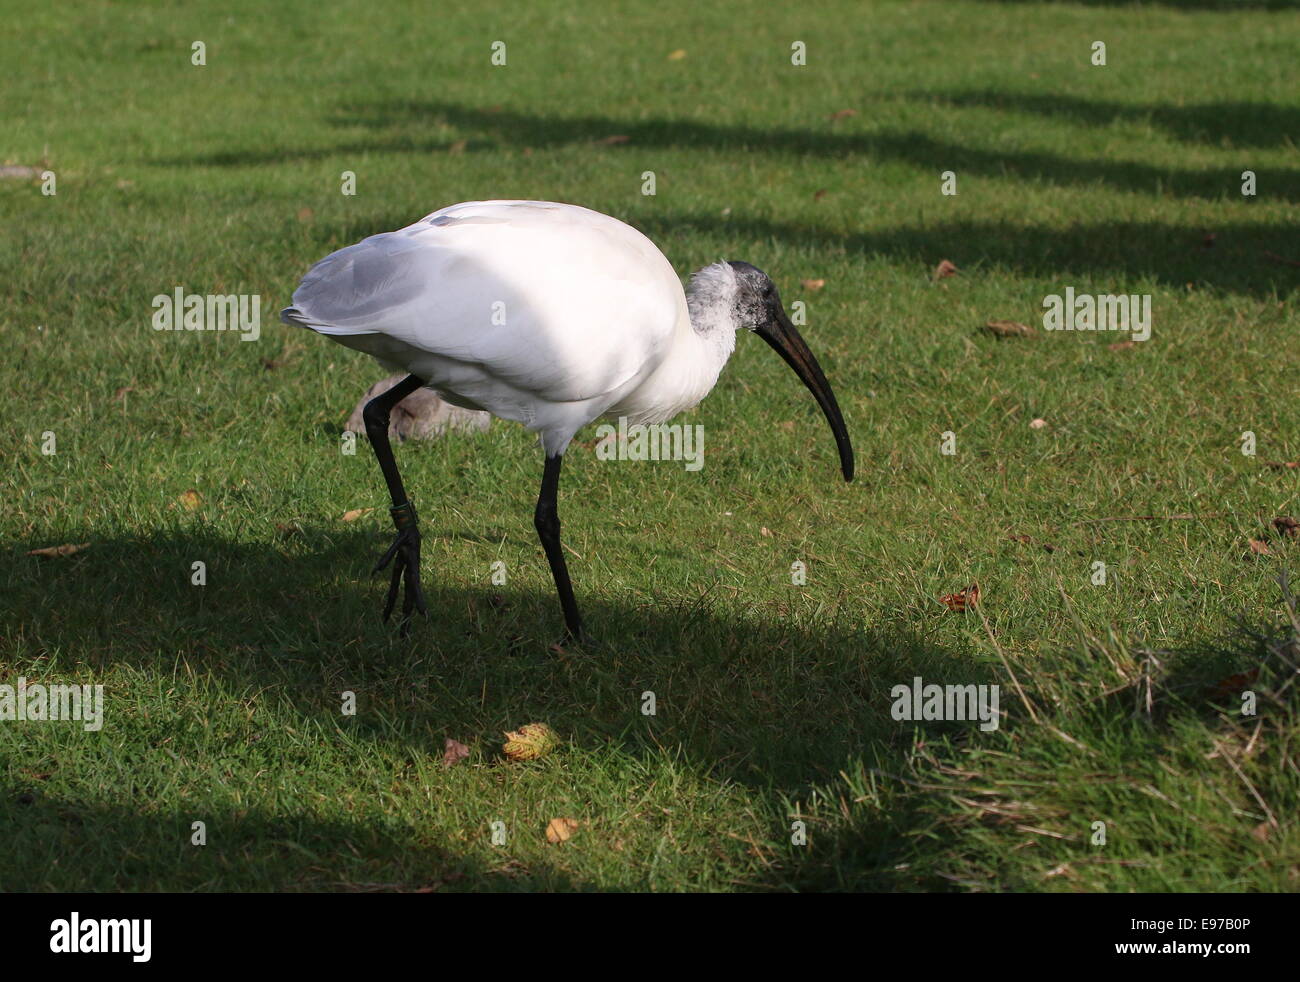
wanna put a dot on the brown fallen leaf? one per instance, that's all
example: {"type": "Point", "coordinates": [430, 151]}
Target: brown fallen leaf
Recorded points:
{"type": "Point", "coordinates": [964, 600]}
{"type": "Point", "coordinates": [560, 830]}
{"type": "Point", "coordinates": [1122, 345]}
{"type": "Point", "coordinates": [1281, 465]}
{"type": "Point", "coordinates": [1009, 329]}
{"type": "Point", "coordinates": [1233, 685]}
{"type": "Point", "coordinates": [305, 215]}
{"type": "Point", "coordinates": [352, 514]}
{"type": "Point", "coordinates": [458, 146]}
{"type": "Point", "coordinates": [64, 550]}
{"type": "Point", "coordinates": [1261, 832]}
{"type": "Point", "coordinates": [677, 55]}
{"type": "Point", "coordinates": [1037, 424]}
{"type": "Point", "coordinates": [191, 500]}
{"type": "Point", "coordinates": [287, 530]}
{"type": "Point", "coordinates": [813, 284]}
{"type": "Point", "coordinates": [455, 751]}
{"type": "Point", "coordinates": [944, 270]}
{"type": "Point", "coordinates": [842, 114]}
{"type": "Point", "coordinates": [1258, 547]}
{"type": "Point", "coordinates": [766, 531]}
{"type": "Point", "coordinates": [1287, 525]}
{"type": "Point", "coordinates": [612, 141]}
{"type": "Point", "coordinates": [121, 393]}
{"type": "Point", "coordinates": [819, 194]}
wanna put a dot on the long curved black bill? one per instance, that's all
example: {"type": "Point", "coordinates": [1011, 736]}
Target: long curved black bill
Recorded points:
{"type": "Point", "coordinates": [783, 337]}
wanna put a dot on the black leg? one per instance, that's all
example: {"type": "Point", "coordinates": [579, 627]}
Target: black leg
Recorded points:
{"type": "Point", "coordinates": [547, 520]}
{"type": "Point", "coordinates": [406, 547]}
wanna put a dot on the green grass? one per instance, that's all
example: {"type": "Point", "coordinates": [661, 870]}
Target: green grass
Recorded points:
{"type": "Point", "coordinates": [223, 702]}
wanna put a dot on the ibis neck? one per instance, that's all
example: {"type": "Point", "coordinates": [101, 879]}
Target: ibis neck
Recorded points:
{"type": "Point", "coordinates": [711, 338]}
{"type": "Point", "coordinates": [703, 338]}
{"type": "Point", "coordinates": [685, 376]}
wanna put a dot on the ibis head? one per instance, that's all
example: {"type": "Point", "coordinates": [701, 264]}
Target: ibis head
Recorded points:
{"type": "Point", "coordinates": [759, 309]}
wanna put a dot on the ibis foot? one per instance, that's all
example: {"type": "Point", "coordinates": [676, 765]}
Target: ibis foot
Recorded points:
{"type": "Point", "coordinates": [581, 638]}
{"type": "Point", "coordinates": [404, 554]}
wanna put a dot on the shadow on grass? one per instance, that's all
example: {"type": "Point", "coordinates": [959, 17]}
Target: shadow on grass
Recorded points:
{"type": "Point", "coordinates": [406, 127]}
{"type": "Point", "coordinates": [1251, 259]}
{"type": "Point", "coordinates": [1243, 124]}
{"type": "Point", "coordinates": [757, 701]}
{"type": "Point", "coordinates": [64, 845]}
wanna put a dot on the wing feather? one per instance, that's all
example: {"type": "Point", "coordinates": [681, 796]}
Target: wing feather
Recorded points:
{"type": "Point", "coordinates": [556, 301]}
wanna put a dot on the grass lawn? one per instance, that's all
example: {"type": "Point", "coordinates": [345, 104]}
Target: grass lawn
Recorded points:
{"type": "Point", "coordinates": [773, 700]}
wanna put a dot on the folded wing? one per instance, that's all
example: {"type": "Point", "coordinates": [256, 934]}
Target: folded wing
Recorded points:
{"type": "Point", "coordinates": [555, 301]}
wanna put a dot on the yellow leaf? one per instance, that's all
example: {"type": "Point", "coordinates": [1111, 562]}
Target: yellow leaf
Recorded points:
{"type": "Point", "coordinates": [191, 500]}
{"type": "Point", "coordinates": [677, 55]}
{"type": "Point", "coordinates": [560, 830]}
{"type": "Point", "coordinates": [353, 514]}
{"type": "Point", "coordinates": [530, 742]}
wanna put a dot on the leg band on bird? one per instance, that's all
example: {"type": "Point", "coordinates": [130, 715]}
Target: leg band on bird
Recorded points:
{"type": "Point", "coordinates": [404, 516]}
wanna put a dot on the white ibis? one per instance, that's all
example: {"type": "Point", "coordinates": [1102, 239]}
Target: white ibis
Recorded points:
{"type": "Point", "coordinates": [547, 314]}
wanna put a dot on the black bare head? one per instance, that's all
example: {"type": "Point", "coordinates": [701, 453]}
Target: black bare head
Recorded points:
{"type": "Point", "coordinates": [758, 308]}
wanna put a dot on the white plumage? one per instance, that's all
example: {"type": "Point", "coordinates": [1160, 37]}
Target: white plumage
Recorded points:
{"type": "Point", "coordinates": [547, 314]}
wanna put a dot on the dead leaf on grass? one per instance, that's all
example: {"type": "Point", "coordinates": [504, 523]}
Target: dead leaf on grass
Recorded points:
{"type": "Point", "coordinates": [1009, 329]}
{"type": "Point", "coordinates": [944, 270]}
{"type": "Point", "coordinates": [964, 600]}
{"type": "Point", "coordinates": [560, 830]}
{"type": "Point", "coordinates": [455, 751]}
{"type": "Point", "coordinates": [64, 550]}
